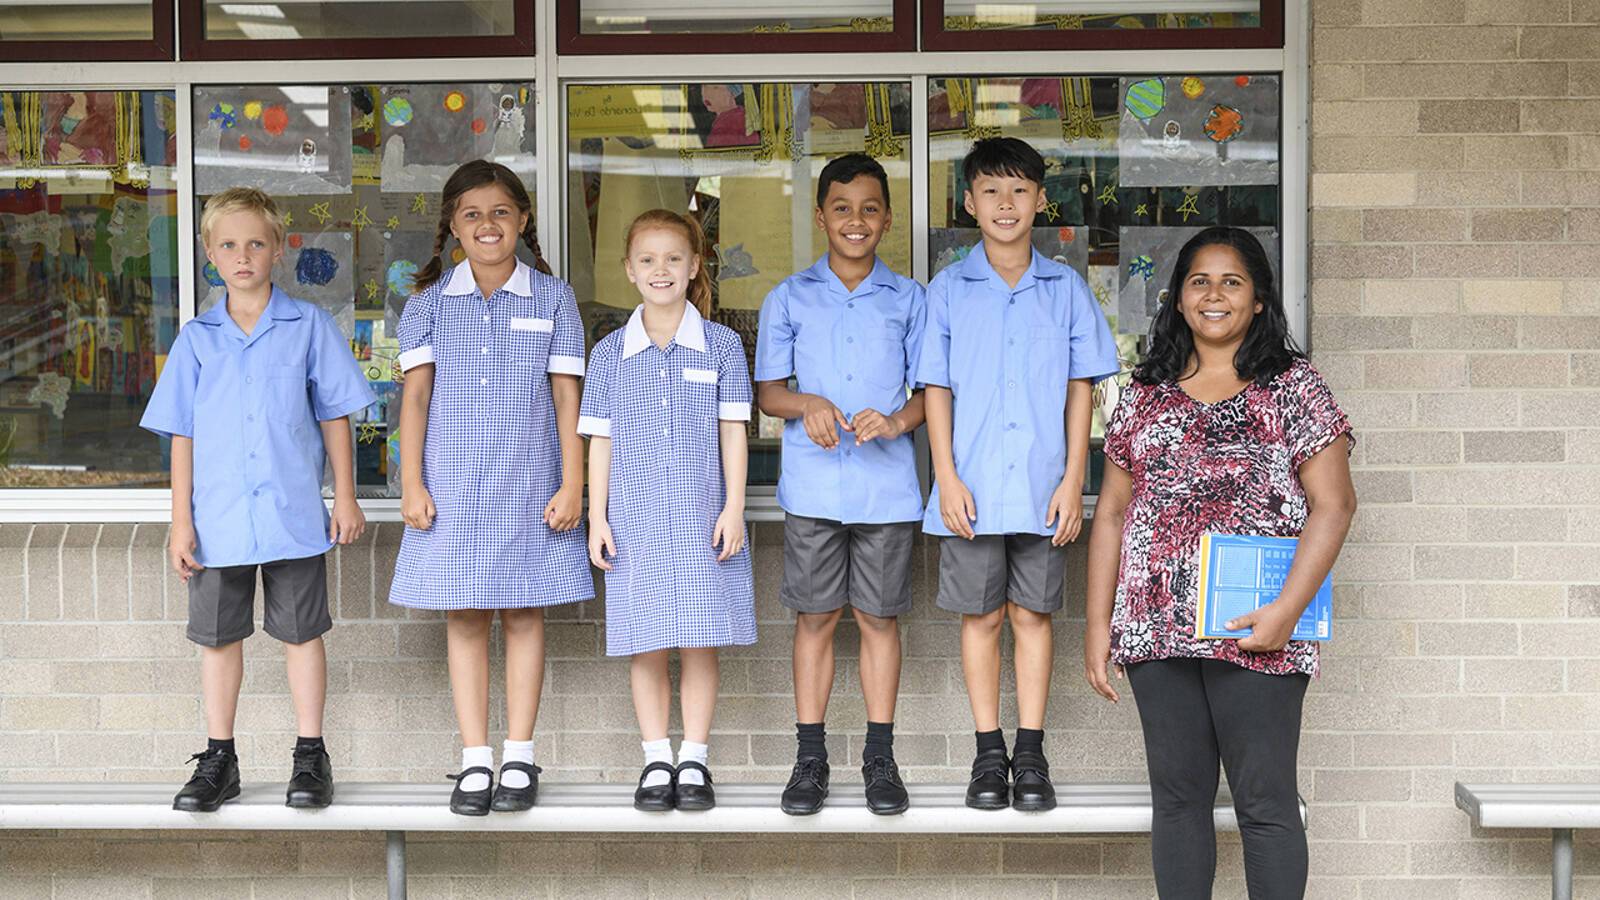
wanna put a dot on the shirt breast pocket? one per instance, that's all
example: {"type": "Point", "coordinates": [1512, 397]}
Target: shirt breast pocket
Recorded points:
{"type": "Point", "coordinates": [530, 343]}
{"type": "Point", "coordinates": [285, 394]}
{"type": "Point", "coordinates": [1048, 354]}
{"type": "Point", "coordinates": [700, 392]}
{"type": "Point", "coordinates": [886, 356]}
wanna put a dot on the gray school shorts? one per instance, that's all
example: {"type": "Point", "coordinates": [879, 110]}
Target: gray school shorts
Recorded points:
{"type": "Point", "coordinates": [827, 564]}
{"type": "Point", "coordinates": [222, 602]}
{"type": "Point", "coordinates": [980, 575]}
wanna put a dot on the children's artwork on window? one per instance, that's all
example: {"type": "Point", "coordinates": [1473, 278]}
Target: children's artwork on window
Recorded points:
{"type": "Point", "coordinates": [1066, 244]}
{"type": "Point", "coordinates": [1145, 270]}
{"type": "Point", "coordinates": [317, 267]}
{"type": "Point", "coordinates": [79, 128]}
{"type": "Point", "coordinates": [430, 129]}
{"type": "Point", "coordinates": [285, 140]}
{"type": "Point", "coordinates": [1184, 130]}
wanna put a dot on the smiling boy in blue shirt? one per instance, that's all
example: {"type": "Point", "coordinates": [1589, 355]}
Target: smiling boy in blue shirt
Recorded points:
{"type": "Point", "coordinates": [848, 329]}
{"type": "Point", "coordinates": [1014, 343]}
{"type": "Point", "coordinates": [255, 391]}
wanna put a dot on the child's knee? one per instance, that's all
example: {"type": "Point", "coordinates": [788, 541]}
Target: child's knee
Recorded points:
{"type": "Point", "coordinates": [984, 623]}
{"type": "Point", "coordinates": [1024, 619]}
{"type": "Point", "coordinates": [876, 626]}
{"type": "Point", "coordinates": [818, 624]}
{"type": "Point", "coordinates": [521, 619]}
{"type": "Point", "coordinates": [469, 621]}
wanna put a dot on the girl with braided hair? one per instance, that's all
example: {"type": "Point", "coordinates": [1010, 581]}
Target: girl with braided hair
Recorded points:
{"type": "Point", "coordinates": [491, 466]}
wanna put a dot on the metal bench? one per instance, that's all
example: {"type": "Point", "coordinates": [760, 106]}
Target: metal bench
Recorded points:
{"type": "Point", "coordinates": [1558, 807]}
{"type": "Point", "coordinates": [741, 808]}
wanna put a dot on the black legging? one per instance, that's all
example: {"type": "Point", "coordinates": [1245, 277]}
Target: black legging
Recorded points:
{"type": "Point", "coordinates": [1196, 713]}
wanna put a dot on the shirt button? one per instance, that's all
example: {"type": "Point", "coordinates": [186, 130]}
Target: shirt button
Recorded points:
{"type": "Point", "coordinates": [249, 380]}
{"type": "Point", "coordinates": [1012, 466]}
{"type": "Point", "coordinates": [255, 493]}
{"type": "Point", "coordinates": [665, 432]}
{"type": "Point", "coordinates": [483, 381]}
{"type": "Point", "coordinates": [249, 418]}
{"type": "Point", "coordinates": [663, 401]}
{"type": "Point", "coordinates": [1010, 425]}
{"type": "Point", "coordinates": [484, 350]}
{"type": "Point", "coordinates": [1012, 301]}
{"type": "Point", "coordinates": [849, 340]}
{"type": "Point", "coordinates": [850, 306]}
{"type": "Point", "coordinates": [849, 378]}
{"type": "Point", "coordinates": [486, 318]}
{"type": "Point", "coordinates": [252, 454]}
{"type": "Point", "coordinates": [663, 373]}
{"type": "Point", "coordinates": [1011, 384]}
{"type": "Point", "coordinates": [1012, 341]}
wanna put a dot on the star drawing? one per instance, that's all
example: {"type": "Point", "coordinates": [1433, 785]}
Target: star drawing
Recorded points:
{"type": "Point", "coordinates": [320, 210]}
{"type": "Point", "coordinates": [1188, 208]}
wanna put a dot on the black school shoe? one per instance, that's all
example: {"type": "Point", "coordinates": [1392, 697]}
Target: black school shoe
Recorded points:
{"type": "Point", "coordinates": [311, 782]}
{"type": "Point", "coordinates": [1031, 790]}
{"type": "Point", "coordinates": [215, 780]}
{"type": "Point", "coordinates": [694, 796]}
{"type": "Point", "coordinates": [660, 798]}
{"type": "Point", "coordinates": [988, 788]}
{"type": "Point", "coordinates": [807, 787]}
{"type": "Point", "coordinates": [886, 793]}
{"type": "Point", "coordinates": [471, 803]}
{"type": "Point", "coordinates": [510, 799]}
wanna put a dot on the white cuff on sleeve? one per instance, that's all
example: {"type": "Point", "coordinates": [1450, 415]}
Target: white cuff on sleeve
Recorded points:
{"type": "Point", "coordinates": [417, 357]}
{"type": "Point", "coordinates": [734, 412]}
{"type": "Point", "coordinates": [565, 365]}
{"type": "Point", "coordinates": [594, 426]}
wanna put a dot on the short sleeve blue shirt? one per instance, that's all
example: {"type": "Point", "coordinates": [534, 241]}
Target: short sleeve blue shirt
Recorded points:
{"type": "Point", "coordinates": [251, 404]}
{"type": "Point", "coordinates": [858, 349]}
{"type": "Point", "coordinates": [1006, 354]}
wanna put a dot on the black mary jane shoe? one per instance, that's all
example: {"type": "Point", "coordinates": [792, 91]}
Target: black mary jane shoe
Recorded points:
{"type": "Point", "coordinates": [510, 799]}
{"type": "Point", "coordinates": [807, 787]}
{"type": "Point", "coordinates": [1031, 790]}
{"type": "Point", "coordinates": [988, 788]}
{"type": "Point", "coordinates": [311, 782]}
{"type": "Point", "coordinates": [472, 803]}
{"type": "Point", "coordinates": [886, 793]}
{"type": "Point", "coordinates": [661, 797]}
{"type": "Point", "coordinates": [215, 780]}
{"type": "Point", "coordinates": [694, 796]}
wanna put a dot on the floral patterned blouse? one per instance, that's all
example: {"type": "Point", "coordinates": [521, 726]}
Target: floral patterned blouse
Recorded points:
{"type": "Point", "coordinates": [1230, 467]}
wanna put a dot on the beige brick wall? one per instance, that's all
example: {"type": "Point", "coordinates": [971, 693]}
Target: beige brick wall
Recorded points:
{"type": "Point", "coordinates": [1456, 310]}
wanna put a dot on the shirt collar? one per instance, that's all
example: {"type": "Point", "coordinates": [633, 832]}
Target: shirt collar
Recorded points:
{"type": "Point", "coordinates": [820, 271]}
{"type": "Point", "coordinates": [279, 307]}
{"type": "Point", "coordinates": [976, 266]}
{"type": "Point", "coordinates": [462, 283]}
{"type": "Point", "coordinates": [691, 331]}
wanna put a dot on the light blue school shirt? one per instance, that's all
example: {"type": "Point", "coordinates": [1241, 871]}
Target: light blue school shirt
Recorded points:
{"type": "Point", "coordinates": [859, 350]}
{"type": "Point", "coordinates": [251, 403]}
{"type": "Point", "coordinates": [1006, 354]}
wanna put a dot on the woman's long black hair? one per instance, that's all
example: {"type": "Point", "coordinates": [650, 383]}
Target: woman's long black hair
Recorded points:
{"type": "Point", "coordinates": [1268, 349]}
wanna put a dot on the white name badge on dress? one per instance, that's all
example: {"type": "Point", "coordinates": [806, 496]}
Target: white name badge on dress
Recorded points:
{"type": "Point", "coordinates": [700, 376]}
{"type": "Point", "coordinates": [544, 325]}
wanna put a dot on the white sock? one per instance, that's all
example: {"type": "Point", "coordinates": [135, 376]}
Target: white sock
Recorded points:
{"type": "Point", "coordinates": [516, 751]}
{"type": "Point", "coordinates": [476, 756]}
{"type": "Point", "coordinates": [657, 751]}
{"type": "Point", "coordinates": [689, 751]}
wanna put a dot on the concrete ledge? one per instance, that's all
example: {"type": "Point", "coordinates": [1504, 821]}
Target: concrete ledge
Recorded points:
{"type": "Point", "coordinates": [741, 808]}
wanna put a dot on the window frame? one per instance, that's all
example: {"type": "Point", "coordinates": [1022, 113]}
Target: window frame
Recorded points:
{"type": "Point", "coordinates": [196, 46]}
{"type": "Point", "coordinates": [161, 45]}
{"type": "Point", "coordinates": [552, 73]}
{"type": "Point", "coordinates": [1270, 34]}
{"type": "Point", "coordinates": [572, 41]}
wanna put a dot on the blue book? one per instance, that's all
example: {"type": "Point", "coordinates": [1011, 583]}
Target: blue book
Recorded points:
{"type": "Point", "coordinates": [1242, 573]}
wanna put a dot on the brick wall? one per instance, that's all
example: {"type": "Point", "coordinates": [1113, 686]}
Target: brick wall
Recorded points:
{"type": "Point", "coordinates": [1456, 311]}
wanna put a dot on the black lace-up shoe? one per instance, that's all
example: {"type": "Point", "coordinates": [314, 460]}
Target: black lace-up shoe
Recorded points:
{"type": "Point", "coordinates": [311, 783]}
{"type": "Point", "coordinates": [472, 803]}
{"type": "Point", "coordinates": [215, 780]}
{"type": "Point", "coordinates": [988, 788]}
{"type": "Point", "coordinates": [1031, 790]}
{"type": "Point", "coordinates": [807, 787]}
{"type": "Point", "coordinates": [510, 799]}
{"type": "Point", "coordinates": [886, 793]}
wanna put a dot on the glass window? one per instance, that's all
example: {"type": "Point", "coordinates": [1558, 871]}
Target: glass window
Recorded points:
{"type": "Point", "coordinates": [358, 19]}
{"type": "Point", "coordinates": [357, 171]}
{"type": "Point", "coordinates": [1073, 15]}
{"type": "Point", "coordinates": [733, 17]}
{"type": "Point", "coordinates": [743, 158]}
{"type": "Point", "coordinates": [1135, 166]}
{"type": "Point", "coordinates": [88, 284]}
{"type": "Point", "coordinates": [91, 30]}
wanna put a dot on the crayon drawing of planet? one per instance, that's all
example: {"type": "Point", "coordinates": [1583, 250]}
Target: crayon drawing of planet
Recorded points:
{"type": "Point", "coordinates": [223, 115]}
{"type": "Point", "coordinates": [315, 266]}
{"type": "Point", "coordinates": [211, 275]}
{"type": "Point", "coordinates": [1146, 98]}
{"type": "Point", "coordinates": [1224, 123]}
{"type": "Point", "coordinates": [1193, 87]}
{"type": "Point", "coordinates": [1141, 266]}
{"type": "Point", "coordinates": [400, 277]}
{"type": "Point", "coordinates": [397, 111]}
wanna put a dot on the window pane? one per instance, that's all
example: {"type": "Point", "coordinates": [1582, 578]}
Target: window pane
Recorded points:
{"type": "Point", "coordinates": [1067, 15]}
{"type": "Point", "coordinates": [358, 19]}
{"type": "Point", "coordinates": [733, 16]}
{"type": "Point", "coordinates": [88, 284]}
{"type": "Point", "coordinates": [743, 159]}
{"type": "Point", "coordinates": [106, 21]}
{"type": "Point", "coordinates": [1135, 166]}
{"type": "Point", "coordinates": [357, 171]}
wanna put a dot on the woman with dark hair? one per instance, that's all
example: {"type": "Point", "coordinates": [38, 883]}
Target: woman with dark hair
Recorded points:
{"type": "Point", "coordinates": [1226, 429]}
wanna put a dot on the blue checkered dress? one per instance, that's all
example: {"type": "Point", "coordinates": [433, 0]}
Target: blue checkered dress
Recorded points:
{"type": "Point", "coordinates": [661, 410]}
{"type": "Point", "coordinates": [492, 460]}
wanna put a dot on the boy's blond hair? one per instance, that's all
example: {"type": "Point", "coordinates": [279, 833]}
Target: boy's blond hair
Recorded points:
{"type": "Point", "coordinates": [240, 199]}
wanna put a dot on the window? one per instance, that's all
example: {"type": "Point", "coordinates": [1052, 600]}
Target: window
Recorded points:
{"type": "Point", "coordinates": [357, 171]}
{"type": "Point", "coordinates": [104, 30]}
{"type": "Point", "coordinates": [1135, 166]}
{"type": "Point", "coordinates": [318, 29]}
{"type": "Point", "coordinates": [1115, 25]}
{"type": "Point", "coordinates": [742, 26]}
{"type": "Point", "coordinates": [88, 284]}
{"type": "Point", "coordinates": [743, 159]}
